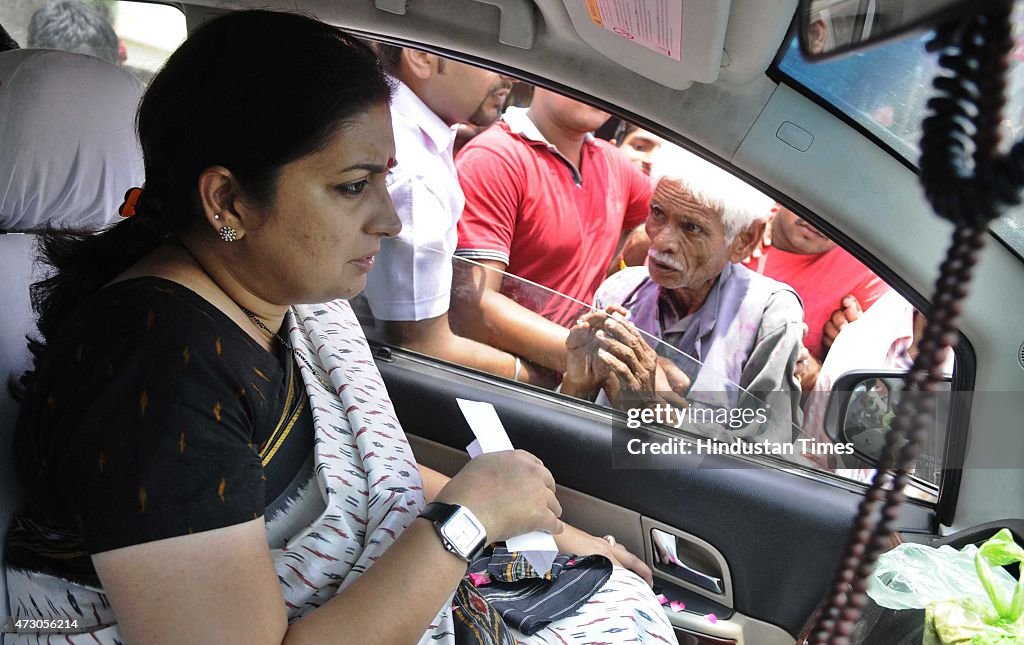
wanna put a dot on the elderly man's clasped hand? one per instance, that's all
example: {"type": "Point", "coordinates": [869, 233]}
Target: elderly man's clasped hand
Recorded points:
{"type": "Point", "coordinates": [606, 351]}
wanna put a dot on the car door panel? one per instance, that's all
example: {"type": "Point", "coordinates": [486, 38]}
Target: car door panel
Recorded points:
{"type": "Point", "coordinates": [599, 517]}
{"type": "Point", "coordinates": [781, 533]}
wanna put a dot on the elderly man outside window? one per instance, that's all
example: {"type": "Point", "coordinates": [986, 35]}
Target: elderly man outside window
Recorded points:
{"type": "Point", "coordinates": [744, 329]}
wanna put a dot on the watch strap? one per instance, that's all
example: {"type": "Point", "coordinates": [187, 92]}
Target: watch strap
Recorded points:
{"type": "Point", "coordinates": [437, 511]}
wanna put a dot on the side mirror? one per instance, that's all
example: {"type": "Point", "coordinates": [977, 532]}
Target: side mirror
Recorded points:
{"type": "Point", "coordinates": [862, 405]}
{"type": "Point", "coordinates": [830, 27]}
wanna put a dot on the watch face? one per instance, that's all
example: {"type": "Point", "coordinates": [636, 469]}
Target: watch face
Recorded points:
{"type": "Point", "coordinates": [463, 531]}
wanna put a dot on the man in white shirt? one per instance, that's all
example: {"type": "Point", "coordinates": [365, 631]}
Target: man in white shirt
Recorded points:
{"type": "Point", "coordinates": [409, 289]}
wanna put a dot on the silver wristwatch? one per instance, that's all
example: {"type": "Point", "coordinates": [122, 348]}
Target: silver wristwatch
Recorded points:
{"type": "Point", "coordinates": [460, 531]}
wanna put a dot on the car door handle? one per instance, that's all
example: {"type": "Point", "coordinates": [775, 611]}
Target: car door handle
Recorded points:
{"type": "Point", "coordinates": [687, 560]}
{"type": "Point", "coordinates": [702, 580]}
{"type": "Point", "coordinates": [670, 555]}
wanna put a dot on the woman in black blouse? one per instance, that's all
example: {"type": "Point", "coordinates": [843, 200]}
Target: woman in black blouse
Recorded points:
{"type": "Point", "coordinates": [166, 417]}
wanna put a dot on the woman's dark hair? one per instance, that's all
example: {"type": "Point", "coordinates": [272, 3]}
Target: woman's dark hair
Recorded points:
{"type": "Point", "coordinates": [250, 91]}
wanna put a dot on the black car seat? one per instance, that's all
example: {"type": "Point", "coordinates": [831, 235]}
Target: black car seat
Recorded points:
{"type": "Point", "coordinates": [68, 153]}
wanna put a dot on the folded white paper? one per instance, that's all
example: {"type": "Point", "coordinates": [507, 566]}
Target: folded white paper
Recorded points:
{"type": "Point", "coordinates": [537, 547]}
{"type": "Point", "coordinates": [484, 422]}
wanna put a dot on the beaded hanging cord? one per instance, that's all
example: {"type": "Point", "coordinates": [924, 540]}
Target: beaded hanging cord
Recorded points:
{"type": "Point", "coordinates": [970, 191]}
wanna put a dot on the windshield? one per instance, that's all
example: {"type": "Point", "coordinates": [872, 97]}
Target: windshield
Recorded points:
{"type": "Point", "coordinates": [885, 89]}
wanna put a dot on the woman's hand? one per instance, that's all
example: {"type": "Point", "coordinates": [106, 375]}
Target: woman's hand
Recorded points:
{"type": "Point", "coordinates": [578, 542]}
{"type": "Point", "coordinates": [511, 492]}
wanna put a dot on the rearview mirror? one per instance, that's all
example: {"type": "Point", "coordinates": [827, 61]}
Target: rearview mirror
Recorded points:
{"type": "Point", "coordinates": [863, 404]}
{"type": "Point", "coordinates": [830, 27]}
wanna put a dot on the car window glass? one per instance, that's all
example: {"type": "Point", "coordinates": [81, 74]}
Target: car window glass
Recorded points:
{"type": "Point", "coordinates": [724, 412]}
{"type": "Point", "coordinates": [706, 399]}
{"type": "Point", "coordinates": [138, 36]}
{"type": "Point", "coordinates": [836, 411]}
{"type": "Point", "coordinates": [150, 32]}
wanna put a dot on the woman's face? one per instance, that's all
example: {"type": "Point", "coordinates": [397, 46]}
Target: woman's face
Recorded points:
{"type": "Point", "coordinates": [317, 240]}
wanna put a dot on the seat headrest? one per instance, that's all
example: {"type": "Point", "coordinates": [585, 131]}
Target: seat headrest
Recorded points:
{"type": "Point", "coordinates": [69, 152]}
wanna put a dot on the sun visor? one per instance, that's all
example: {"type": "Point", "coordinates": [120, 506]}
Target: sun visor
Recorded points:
{"type": "Point", "coordinates": [672, 42]}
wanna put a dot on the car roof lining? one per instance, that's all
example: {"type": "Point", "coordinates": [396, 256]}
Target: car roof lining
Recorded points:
{"type": "Point", "coordinates": [722, 112]}
{"type": "Point", "coordinates": [729, 41]}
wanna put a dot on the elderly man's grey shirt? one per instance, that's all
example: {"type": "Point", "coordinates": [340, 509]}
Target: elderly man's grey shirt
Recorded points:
{"type": "Point", "coordinates": [746, 336]}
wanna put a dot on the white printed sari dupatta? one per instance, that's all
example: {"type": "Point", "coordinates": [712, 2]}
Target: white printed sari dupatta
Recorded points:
{"type": "Point", "coordinates": [364, 465]}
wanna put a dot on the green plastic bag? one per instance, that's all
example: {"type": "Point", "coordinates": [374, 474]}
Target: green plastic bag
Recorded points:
{"type": "Point", "coordinates": [952, 622]}
{"type": "Point", "coordinates": [967, 601]}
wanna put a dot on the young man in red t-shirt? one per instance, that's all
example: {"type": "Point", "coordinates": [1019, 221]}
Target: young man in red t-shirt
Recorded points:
{"type": "Point", "coordinates": [834, 286]}
{"type": "Point", "coordinates": [551, 204]}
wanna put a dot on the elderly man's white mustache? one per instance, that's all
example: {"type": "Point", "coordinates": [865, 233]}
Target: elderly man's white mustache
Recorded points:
{"type": "Point", "coordinates": [666, 259]}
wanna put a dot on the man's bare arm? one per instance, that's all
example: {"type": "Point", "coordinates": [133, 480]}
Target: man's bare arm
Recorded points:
{"type": "Point", "coordinates": [631, 249]}
{"type": "Point", "coordinates": [635, 245]}
{"type": "Point", "coordinates": [434, 337]}
{"type": "Point", "coordinates": [481, 312]}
